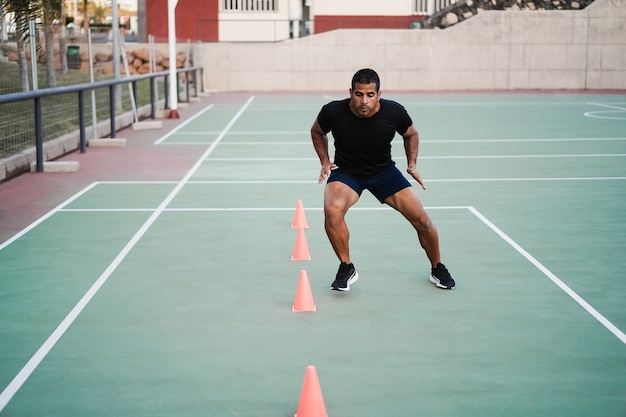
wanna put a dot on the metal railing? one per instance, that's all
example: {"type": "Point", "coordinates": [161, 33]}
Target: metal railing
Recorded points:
{"type": "Point", "coordinates": [37, 95]}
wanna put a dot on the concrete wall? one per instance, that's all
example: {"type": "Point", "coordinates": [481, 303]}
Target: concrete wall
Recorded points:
{"type": "Point", "coordinates": [497, 50]}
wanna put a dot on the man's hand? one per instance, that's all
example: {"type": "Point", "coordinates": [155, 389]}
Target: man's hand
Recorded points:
{"type": "Point", "coordinates": [413, 173]}
{"type": "Point", "coordinates": [325, 172]}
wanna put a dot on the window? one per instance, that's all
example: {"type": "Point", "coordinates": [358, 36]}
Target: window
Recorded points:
{"type": "Point", "coordinates": [250, 5]}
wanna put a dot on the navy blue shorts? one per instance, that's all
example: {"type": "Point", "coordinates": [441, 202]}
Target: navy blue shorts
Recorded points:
{"type": "Point", "coordinates": [383, 185]}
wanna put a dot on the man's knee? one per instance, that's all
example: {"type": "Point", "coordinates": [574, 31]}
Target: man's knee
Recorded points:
{"type": "Point", "coordinates": [424, 224]}
{"type": "Point", "coordinates": [333, 210]}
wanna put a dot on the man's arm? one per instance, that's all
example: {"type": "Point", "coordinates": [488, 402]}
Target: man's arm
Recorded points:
{"type": "Point", "coordinates": [320, 143]}
{"type": "Point", "coordinates": [411, 147]}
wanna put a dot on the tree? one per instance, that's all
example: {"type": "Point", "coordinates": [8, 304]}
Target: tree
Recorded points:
{"type": "Point", "coordinates": [23, 14]}
{"type": "Point", "coordinates": [48, 12]}
{"type": "Point", "coordinates": [86, 15]}
{"type": "Point", "coordinates": [51, 11]}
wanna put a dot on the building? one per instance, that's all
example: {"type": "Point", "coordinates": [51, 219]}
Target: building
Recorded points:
{"type": "Point", "coordinates": [274, 20]}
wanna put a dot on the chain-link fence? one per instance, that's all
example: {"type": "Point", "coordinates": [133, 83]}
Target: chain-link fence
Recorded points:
{"type": "Point", "coordinates": [72, 63]}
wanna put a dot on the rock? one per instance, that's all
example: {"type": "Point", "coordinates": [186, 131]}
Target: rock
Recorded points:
{"type": "Point", "coordinates": [451, 19]}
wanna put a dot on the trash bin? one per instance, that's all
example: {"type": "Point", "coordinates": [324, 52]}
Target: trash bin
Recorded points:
{"type": "Point", "coordinates": [73, 56]}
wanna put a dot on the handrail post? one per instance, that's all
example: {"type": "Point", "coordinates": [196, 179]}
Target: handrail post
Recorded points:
{"type": "Point", "coordinates": [187, 85]}
{"type": "Point", "coordinates": [177, 88]}
{"type": "Point", "coordinates": [152, 97]}
{"type": "Point", "coordinates": [112, 109]}
{"type": "Point", "coordinates": [134, 87]}
{"type": "Point", "coordinates": [38, 134]}
{"type": "Point", "coordinates": [167, 95]}
{"type": "Point", "coordinates": [81, 121]}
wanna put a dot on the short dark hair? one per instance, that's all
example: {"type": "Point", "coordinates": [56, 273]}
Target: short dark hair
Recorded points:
{"type": "Point", "coordinates": [366, 76]}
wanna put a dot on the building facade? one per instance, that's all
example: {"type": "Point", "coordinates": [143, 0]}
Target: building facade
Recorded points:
{"type": "Point", "coordinates": [273, 20]}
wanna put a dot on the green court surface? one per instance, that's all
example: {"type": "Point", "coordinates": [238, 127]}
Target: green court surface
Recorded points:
{"type": "Point", "coordinates": [174, 298]}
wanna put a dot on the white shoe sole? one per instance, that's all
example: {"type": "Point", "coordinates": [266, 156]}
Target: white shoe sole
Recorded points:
{"type": "Point", "coordinates": [351, 280]}
{"type": "Point", "coordinates": [437, 283]}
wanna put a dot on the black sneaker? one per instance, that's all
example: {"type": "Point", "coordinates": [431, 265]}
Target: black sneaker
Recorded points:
{"type": "Point", "coordinates": [441, 277]}
{"type": "Point", "coordinates": [345, 276]}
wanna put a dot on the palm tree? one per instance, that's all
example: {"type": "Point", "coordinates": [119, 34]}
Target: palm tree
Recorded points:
{"type": "Point", "coordinates": [86, 15]}
{"type": "Point", "coordinates": [51, 11]}
{"type": "Point", "coordinates": [23, 13]}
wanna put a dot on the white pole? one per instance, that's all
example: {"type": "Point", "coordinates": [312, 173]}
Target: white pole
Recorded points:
{"type": "Point", "coordinates": [116, 52]}
{"type": "Point", "coordinates": [94, 117]}
{"type": "Point", "coordinates": [3, 23]}
{"type": "Point", "coordinates": [171, 31]}
{"type": "Point", "coordinates": [33, 53]}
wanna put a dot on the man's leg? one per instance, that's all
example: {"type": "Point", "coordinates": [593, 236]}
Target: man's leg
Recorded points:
{"type": "Point", "coordinates": [338, 198]}
{"type": "Point", "coordinates": [409, 204]}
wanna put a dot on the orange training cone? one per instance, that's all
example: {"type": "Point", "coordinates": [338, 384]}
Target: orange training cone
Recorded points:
{"type": "Point", "coordinates": [299, 219]}
{"type": "Point", "coordinates": [301, 250]}
{"type": "Point", "coordinates": [311, 400]}
{"type": "Point", "coordinates": [304, 296]}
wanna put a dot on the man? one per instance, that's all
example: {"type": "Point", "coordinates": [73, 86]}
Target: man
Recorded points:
{"type": "Point", "coordinates": [363, 127]}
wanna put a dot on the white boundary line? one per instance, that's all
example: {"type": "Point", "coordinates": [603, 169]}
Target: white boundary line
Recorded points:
{"type": "Point", "coordinates": [608, 106]}
{"type": "Point", "coordinates": [242, 182]}
{"type": "Point", "coordinates": [601, 114]}
{"type": "Point", "coordinates": [421, 158]}
{"type": "Point", "coordinates": [185, 123]}
{"type": "Point", "coordinates": [584, 304]}
{"type": "Point", "coordinates": [521, 179]}
{"type": "Point", "coordinates": [41, 353]}
{"type": "Point", "coordinates": [210, 209]}
{"type": "Point", "coordinates": [564, 287]}
{"type": "Point", "coordinates": [427, 180]}
{"type": "Point", "coordinates": [31, 365]}
{"type": "Point", "coordinates": [45, 217]}
{"type": "Point", "coordinates": [308, 142]}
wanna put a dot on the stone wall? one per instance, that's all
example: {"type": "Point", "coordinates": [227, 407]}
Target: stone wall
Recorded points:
{"type": "Point", "coordinates": [494, 50]}
{"type": "Point", "coordinates": [137, 56]}
{"type": "Point", "coordinates": [464, 9]}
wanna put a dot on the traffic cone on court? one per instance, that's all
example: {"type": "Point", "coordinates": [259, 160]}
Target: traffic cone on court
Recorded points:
{"type": "Point", "coordinates": [299, 219]}
{"type": "Point", "coordinates": [311, 400]}
{"type": "Point", "coordinates": [304, 295]}
{"type": "Point", "coordinates": [301, 250]}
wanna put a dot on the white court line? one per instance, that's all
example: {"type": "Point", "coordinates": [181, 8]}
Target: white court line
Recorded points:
{"type": "Point", "coordinates": [521, 140]}
{"type": "Point", "coordinates": [186, 122]}
{"type": "Point", "coordinates": [497, 103]}
{"type": "Point", "coordinates": [523, 179]}
{"type": "Point", "coordinates": [426, 157]}
{"type": "Point", "coordinates": [603, 114]}
{"type": "Point", "coordinates": [250, 132]}
{"type": "Point", "coordinates": [178, 143]}
{"type": "Point", "coordinates": [427, 180]}
{"type": "Point", "coordinates": [137, 182]}
{"type": "Point", "coordinates": [443, 140]}
{"type": "Point", "coordinates": [538, 156]}
{"type": "Point", "coordinates": [609, 106]}
{"type": "Point", "coordinates": [584, 304]}
{"type": "Point", "coordinates": [41, 353]}
{"type": "Point", "coordinates": [45, 217]}
{"type": "Point", "coordinates": [111, 210]}
{"type": "Point", "coordinates": [556, 280]}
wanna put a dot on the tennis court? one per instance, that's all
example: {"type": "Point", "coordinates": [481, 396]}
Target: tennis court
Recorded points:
{"type": "Point", "coordinates": [173, 298]}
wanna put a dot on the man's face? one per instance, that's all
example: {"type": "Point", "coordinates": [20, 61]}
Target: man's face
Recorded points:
{"type": "Point", "coordinates": [364, 100]}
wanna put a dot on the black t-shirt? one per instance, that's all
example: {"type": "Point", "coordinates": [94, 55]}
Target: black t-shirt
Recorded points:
{"type": "Point", "coordinates": [363, 144]}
